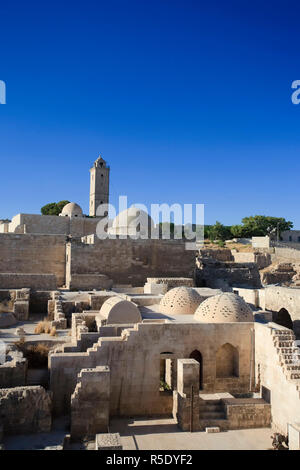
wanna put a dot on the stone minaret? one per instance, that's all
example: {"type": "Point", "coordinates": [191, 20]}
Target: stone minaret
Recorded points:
{"type": "Point", "coordinates": [99, 185]}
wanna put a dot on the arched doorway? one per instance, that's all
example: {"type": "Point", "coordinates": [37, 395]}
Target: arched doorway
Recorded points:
{"type": "Point", "coordinates": [283, 318]}
{"type": "Point", "coordinates": [198, 357]}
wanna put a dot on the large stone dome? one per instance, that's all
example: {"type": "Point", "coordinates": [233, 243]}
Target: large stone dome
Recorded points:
{"type": "Point", "coordinates": [180, 301]}
{"type": "Point", "coordinates": [224, 308]}
{"type": "Point", "coordinates": [71, 210]}
{"type": "Point", "coordinates": [133, 221]}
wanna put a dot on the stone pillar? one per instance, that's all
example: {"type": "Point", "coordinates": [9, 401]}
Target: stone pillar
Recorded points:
{"type": "Point", "coordinates": [187, 412]}
{"type": "Point", "coordinates": [90, 403]}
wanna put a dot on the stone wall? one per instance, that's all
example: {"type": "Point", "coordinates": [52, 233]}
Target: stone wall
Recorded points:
{"type": "Point", "coordinates": [223, 254]}
{"type": "Point", "coordinates": [13, 372]}
{"type": "Point", "coordinates": [225, 275]}
{"type": "Point", "coordinates": [88, 282]}
{"type": "Point", "coordinates": [90, 403]}
{"type": "Point", "coordinates": [53, 225]}
{"type": "Point", "coordinates": [130, 261]}
{"type": "Point", "coordinates": [25, 410]}
{"type": "Point", "coordinates": [261, 259]}
{"type": "Point", "coordinates": [278, 297]}
{"type": "Point", "coordinates": [33, 281]}
{"type": "Point", "coordinates": [247, 413]}
{"type": "Point", "coordinates": [32, 254]}
{"type": "Point", "coordinates": [275, 378]}
{"type": "Point", "coordinates": [289, 254]}
{"type": "Point", "coordinates": [134, 360]}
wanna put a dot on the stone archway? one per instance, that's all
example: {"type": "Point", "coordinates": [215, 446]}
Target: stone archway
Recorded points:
{"type": "Point", "coordinates": [283, 318]}
{"type": "Point", "coordinates": [198, 357]}
{"type": "Point", "coordinates": [227, 361]}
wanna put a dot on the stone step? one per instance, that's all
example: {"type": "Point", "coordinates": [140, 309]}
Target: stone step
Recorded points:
{"type": "Point", "coordinates": [277, 339]}
{"type": "Point", "coordinates": [210, 402]}
{"type": "Point", "coordinates": [212, 415]}
{"type": "Point", "coordinates": [292, 367]}
{"type": "Point", "coordinates": [209, 407]}
{"type": "Point", "coordinates": [213, 423]}
{"type": "Point", "coordinates": [287, 350]}
{"type": "Point", "coordinates": [293, 375]}
{"type": "Point", "coordinates": [284, 344]}
{"type": "Point", "coordinates": [288, 357]}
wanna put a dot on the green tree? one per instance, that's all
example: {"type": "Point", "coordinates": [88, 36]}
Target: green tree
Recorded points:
{"type": "Point", "coordinates": [260, 225]}
{"type": "Point", "coordinates": [218, 232]}
{"type": "Point", "coordinates": [237, 231]}
{"type": "Point", "coordinates": [53, 208]}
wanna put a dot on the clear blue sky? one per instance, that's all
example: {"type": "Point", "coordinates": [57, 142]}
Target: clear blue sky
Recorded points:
{"type": "Point", "coordinates": [188, 101]}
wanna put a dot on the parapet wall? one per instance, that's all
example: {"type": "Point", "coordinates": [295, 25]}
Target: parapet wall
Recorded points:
{"type": "Point", "coordinates": [130, 261]}
{"type": "Point", "coordinates": [33, 281]}
{"type": "Point", "coordinates": [53, 225]}
{"type": "Point", "coordinates": [32, 254]}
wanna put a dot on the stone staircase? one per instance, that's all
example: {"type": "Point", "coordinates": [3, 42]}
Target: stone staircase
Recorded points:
{"type": "Point", "coordinates": [288, 354]}
{"type": "Point", "coordinates": [212, 414]}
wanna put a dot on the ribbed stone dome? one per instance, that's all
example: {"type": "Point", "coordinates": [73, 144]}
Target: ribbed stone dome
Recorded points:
{"type": "Point", "coordinates": [180, 301]}
{"type": "Point", "coordinates": [72, 210]}
{"type": "Point", "coordinates": [224, 308]}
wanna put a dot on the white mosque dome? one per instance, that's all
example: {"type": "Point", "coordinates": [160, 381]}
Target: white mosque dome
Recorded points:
{"type": "Point", "coordinates": [132, 221]}
{"type": "Point", "coordinates": [71, 210]}
{"type": "Point", "coordinates": [224, 308]}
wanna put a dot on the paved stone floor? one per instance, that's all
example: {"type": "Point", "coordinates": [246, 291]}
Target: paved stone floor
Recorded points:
{"type": "Point", "coordinates": [8, 335]}
{"type": "Point", "coordinates": [163, 434]}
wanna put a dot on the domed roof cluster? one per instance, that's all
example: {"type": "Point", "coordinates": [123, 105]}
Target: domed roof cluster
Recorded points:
{"type": "Point", "coordinates": [224, 308]}
{"type": "Point", "coordinates": [71, 210]}
{"type": "Point", "coordinates": [180, 301]}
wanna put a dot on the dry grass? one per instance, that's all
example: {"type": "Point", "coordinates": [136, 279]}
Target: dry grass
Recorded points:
{"type": "Point", "coordinates": [240, 247]}
{"type": "Point", "coordinates": [36, 355]}
{"type": "Point", "coordinates": [43, 327]}
{"type": "Point", "coordinates": [53, 331]}
{"type": "Point", "coordinates": [90, 323]}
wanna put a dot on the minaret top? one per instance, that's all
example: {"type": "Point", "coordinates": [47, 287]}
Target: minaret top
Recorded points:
{"type": "Point", "coordinates": [100, 162]}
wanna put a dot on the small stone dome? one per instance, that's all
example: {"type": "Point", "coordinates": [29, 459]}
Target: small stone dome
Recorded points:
{"type": "Point", "coordinates": [118, 310]}
{"type": "Point", "coordinates": [71, 210]}
{"type": "Point", "coordinates": [180, 301]}
{"type": "Point", "coordinates": [133, 221]}
{"type": "Point", "coordinates": [224, 308]}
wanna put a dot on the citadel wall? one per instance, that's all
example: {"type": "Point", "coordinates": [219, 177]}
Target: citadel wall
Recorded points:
{"type": "Point", "coordinates": [53, 225]}
{"type": "Point", "coordinates": [129, 261]}
{"type": "Point", "coordinates": [33, 254]}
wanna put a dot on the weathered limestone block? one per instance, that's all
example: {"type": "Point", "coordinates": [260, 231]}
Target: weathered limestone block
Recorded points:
{"type": "Point", "coordinates": [108, 441]}
{"type": "Point", "coordinates": [21, 309]}
{"type": "Point", "coordinates": [188, 401]}
{"type": "Point", "coordinates": [25, 410]}
{"type": "Point", "coordinates": [90, 403]}
{"type": "Point", "coordinates": [13, 371]}
{"type": "Point", "coordinates": [243, 415]}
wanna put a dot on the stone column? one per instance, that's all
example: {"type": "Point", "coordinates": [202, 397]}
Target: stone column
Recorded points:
{"type": "Point", "coordinates": [188, 394]}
